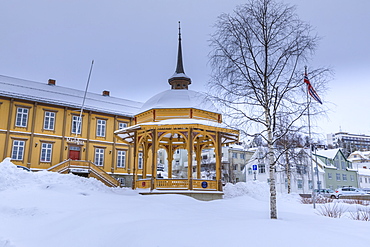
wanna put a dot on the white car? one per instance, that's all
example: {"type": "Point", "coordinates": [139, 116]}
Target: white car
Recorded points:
{"type": "Point", "coordinates": [348, 191]}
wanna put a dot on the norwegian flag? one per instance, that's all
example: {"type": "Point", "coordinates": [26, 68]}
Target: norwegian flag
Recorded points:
{"type": "Point", "coordinates": [310, 89]}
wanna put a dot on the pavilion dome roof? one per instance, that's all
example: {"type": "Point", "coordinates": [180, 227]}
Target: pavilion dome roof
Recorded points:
{"type": "Point", "coordinates": [176, 98]}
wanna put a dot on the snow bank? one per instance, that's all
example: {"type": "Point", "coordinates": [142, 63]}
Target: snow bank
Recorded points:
{"type": "Point", "coordinates": [255, 189]}
{"type": "Point", "coordinates": [12, 177]}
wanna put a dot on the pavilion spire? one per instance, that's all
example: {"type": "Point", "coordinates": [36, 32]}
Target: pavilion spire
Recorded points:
{"type": "Point", "coordinates": [179, 79]}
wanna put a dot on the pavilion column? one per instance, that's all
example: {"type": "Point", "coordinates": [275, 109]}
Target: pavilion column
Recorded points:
{"type": "Point", "coordinates": [145, 158]}
{"type": "Point", "coordinates": [135, 163]}
{"type": "Point", "coordinates": [199, 160]}
{"type": "Point", "coordinates": [154, 159]}
{"type": "Point", "coordinates": [170, 158]}
{"type": "Point", "coordinates": [218, 161]}
{"type": "Point", "coordinates": [190, 158]}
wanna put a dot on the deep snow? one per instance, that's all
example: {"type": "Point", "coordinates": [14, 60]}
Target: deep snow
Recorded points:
{"type": "Point", "coordinates": [47, 209]}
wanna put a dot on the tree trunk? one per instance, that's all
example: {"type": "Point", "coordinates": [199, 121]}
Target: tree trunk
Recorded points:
{"type": "Point", "coordinates": [288, 171]}
{"type": "Point", "coordinates": [273, 208]}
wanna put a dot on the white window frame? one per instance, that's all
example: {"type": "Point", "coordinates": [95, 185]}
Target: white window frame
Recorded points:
{"type": "Point", "coordinates": [140, 161]}
{"type": "Point", "coordinates": [18, 149]}
{"type": "Point", "coordinates": [261, 168]}
{"type": "Point", "coordinates": [99, 157]}
{"type": "Point", "coordinates": [101, 127]}
{"type": "Point", "coordinates": [121, 158]}
{"type": "Point", "coordinates": [338, 177]}
{"type": "Point", "coordinates": [122, 125]}
{"type": "Point", "coordinates": [76, 121]}
{"type": "Point", "coordinates": [22, 117]}
{"type": "Point", "coordinates": [49, 120]}
{"type": "Point", "coordinates": [46, 151]}
{"type": "Point", "coordinates": [344, 177]}
{"type": "Point", "coordinates": [330, 175]}
{"type": "Point", "coordinates": [300, 184]}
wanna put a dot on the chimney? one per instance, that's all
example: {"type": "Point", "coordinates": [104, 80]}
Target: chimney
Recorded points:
{"type": "Point", "coordinates": [105, 93]}
{"type": "Point", "coordinates": [51, 82]}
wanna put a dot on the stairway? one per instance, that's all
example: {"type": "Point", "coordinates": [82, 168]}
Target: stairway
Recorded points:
{"type": "Point", "coordinates": [86, 167]}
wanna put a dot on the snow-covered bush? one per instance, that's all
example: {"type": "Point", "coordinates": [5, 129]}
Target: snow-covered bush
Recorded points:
{"type": "Point", "coordinates": [333, 210]}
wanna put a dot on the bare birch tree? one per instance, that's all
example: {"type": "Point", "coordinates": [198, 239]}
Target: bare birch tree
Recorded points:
{"type": "Point", "coordinates": [258, 56]}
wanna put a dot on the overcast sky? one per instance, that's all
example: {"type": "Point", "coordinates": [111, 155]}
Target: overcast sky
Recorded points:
{"type": "Point", "coordinates": [134, 45]}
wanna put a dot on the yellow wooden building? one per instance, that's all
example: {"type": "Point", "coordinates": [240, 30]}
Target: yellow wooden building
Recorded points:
{"type": "Point", "coordinates": [39, 129]}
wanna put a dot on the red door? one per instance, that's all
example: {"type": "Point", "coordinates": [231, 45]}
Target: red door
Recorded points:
{"type": "Point", "coordinates": [74, 153]}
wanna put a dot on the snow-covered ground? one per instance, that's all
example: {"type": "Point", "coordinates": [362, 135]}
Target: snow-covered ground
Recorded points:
{"type": "Point", "coordinates": [46, 209]}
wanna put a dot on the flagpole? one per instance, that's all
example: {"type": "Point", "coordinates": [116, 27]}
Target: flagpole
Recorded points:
{"type": "Point", "coordinates": [83, 101]}
{"type": "Point", "coordinates": [309, 136]}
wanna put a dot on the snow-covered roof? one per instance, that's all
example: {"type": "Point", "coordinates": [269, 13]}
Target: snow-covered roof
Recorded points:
{"type": "Point", "coordinates": [178, 98]}
{"type": "Point", "coordinates": [177, 121]}
{"type": "Point", "coordinates": [365, 172]}
{"type": "Point", "coordinates": [237, 147]}
{"type": "Point", "coordinates": [330, 153]}
{"type": "Point", "coordinates": [57, 95]}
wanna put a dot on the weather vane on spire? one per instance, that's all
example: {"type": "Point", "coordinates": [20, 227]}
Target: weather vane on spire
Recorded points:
{"type": "Point", "coordinates": [179, 31]}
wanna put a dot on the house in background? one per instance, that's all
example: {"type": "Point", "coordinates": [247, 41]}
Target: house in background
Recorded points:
{"type": "Point", "coordinates": [299, 176]}
{"type": "Point", "coordinates": [360, 157]}
{"type": "Point", "coordinates": [339, 171]}
{"type": "Point", "coordinates": [361, 163]}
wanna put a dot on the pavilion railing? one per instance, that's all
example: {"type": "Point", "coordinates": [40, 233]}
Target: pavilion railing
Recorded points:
{"type": "Point", "coordinates": [171, 183]}
{"type": "Point", "coordinates": [177, 184]}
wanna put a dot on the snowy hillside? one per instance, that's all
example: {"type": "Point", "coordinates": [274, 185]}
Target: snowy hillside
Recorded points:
{"type": "Point", "coordinates": [45, 209]}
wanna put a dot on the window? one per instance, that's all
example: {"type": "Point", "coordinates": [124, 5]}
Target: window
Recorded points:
{"type": "Point", "coordinates": [140, 161]}
{"type": "Point", "coordinates": [330, 175]}
{"type": "Point", "coordinates": [310, 184]}
{"type": "Point", "coordinates": [121, 158]}
{"type": "Point", "coordinates": [76, 125]}
{"type": "Point", "coordinates": [242, 156]}
{"type": "Point", "coordinates": [100, 127]}
{"type": "Point", "coordinates": [344, 177]}
{"type": "Point", "coordinates": [300, 184]}
{"type": "Point", "coordinates": [46, 149]}
{"type": "Point", "coordinates": [261, 168]}
{"type": "Point", "coordinates": [22, 117]}
{"type": "Point", "coordinates": [122, 125]}
{"type": "Point", "coordinates": [122, 181]}
{"type": "Point", "coordinates": [99, 156]}
{"type": "Point", "coordinates": [337, 164]}
{"type": "Point", "coordinates": [338, 176]}
{"type": "Point", "coordinates": [18, 150]}
{"type": "Point", "coordinates": [250, 171]}
{"type": "Point", "coordinates": [352, 177]}
{"type": "Point", "coordinates": [49, 120]}
{"type": "Point", "coordinates": [235, 155]}
{"type": "Point", "coordinates": [343, 164]}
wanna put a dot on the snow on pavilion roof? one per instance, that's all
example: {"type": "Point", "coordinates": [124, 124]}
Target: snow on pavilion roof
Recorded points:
{"type": "Point", "coordinates": [126, 133]}
{"type": "Point", "coordinates": [178, 98]}
{"type": "Point", "coordinates": [57, 95]}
